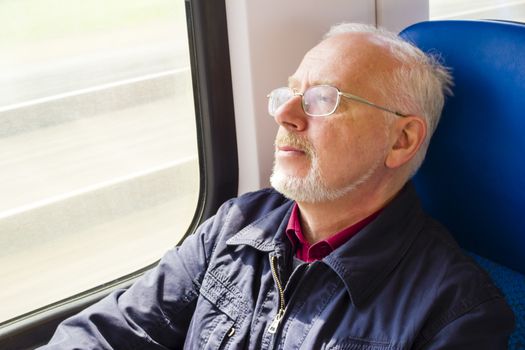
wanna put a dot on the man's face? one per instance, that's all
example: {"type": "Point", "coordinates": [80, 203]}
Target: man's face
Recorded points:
{"type": "Point", "coordinates": [324, 158]}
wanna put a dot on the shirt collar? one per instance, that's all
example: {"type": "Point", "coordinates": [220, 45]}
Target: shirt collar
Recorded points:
{"type": "Point", "coordinates": [293, 229]}
{"type": "Point", "coordinates": [312, 252]}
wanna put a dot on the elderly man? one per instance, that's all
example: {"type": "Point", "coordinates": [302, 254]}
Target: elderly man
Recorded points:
{"type": "Point", "coordinates": [338, 256]}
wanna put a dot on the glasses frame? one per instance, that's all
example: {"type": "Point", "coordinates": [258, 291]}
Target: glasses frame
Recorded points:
{"type": "Point", "coordinates": [339, 94]}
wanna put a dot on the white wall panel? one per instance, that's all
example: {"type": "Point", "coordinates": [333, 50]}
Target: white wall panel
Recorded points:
{"type": "Point", "coordinates": [396, 15]}
{"type": "Point", "coordinates": [268, 39]}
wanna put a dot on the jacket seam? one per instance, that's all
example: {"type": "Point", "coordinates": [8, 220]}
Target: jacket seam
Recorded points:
{"type": "Point", "coordinates": [187, 299]}
{"type": "Point", "coordinates": [225, 225]}
{"type": "Point", "coordinates": [380, 344]}
{"type": "Point", "coordinates": [451, 317]}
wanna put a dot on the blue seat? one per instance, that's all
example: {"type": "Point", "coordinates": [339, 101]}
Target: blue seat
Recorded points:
{"type": "Point", "coordinates": [473, 179]}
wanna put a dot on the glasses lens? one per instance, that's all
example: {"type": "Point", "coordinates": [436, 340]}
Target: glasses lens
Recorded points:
{"type": "Point", "coordinates": [320, 100]}
{"type": "Point", "coordinates": [277, 98]}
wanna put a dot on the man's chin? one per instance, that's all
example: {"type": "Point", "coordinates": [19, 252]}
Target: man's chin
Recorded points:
{"type": "Point", "coordinates": [309, 189]}
{"type": "Point", "coordinates": [297, 188]}
{"type": "Point", "coordinates": [287, 185]}
{"type": "Point", "coordinates": [291, 169]}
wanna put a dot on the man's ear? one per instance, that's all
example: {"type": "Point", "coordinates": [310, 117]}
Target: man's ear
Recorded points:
{"type": "Point", "coordinates": [408, 134]}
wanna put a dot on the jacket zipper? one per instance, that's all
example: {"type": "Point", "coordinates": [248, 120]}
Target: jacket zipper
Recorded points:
{"type": "Point", "coordinates": [280, 313]}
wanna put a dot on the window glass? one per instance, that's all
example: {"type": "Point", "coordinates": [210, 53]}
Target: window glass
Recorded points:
{"type": "Point", "coordinates": [478, 9]}
{"type": "Point", "coordinates": [98, 151]}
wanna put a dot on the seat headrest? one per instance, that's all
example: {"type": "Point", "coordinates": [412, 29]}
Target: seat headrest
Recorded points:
{"type": "Point", "coordinates": [473, 179]}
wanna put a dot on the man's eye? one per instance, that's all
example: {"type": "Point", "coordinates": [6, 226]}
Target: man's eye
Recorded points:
{"type": "Point", "coordinates": [324, 99]}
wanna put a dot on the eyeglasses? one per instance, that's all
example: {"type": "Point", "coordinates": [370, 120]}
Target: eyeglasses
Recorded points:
{"type": "Point", "coordinates": [317, 100]}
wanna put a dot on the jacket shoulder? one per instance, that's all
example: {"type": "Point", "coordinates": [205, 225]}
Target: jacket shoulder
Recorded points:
{"type": "Point", "coordinates": [455, 269]}
{"type": "Point", "coordinates": [462, 292]}
{"type": "Point", "coordinates": [239, 212]}
{"type": "Point", "coordinates": [268, 196]}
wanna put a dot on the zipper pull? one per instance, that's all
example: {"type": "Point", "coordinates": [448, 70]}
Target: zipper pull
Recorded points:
{"type": "Point", "coordinates": [275, 323]}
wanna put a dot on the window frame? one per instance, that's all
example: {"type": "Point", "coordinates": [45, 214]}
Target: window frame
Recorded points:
{"type": "Point", "coordinates": [218, 163]}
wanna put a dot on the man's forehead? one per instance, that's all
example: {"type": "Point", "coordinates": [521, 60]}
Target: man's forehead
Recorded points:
{"type": "Point", "coordinates": [348, 55]}
{"type": "Point", "coordinates": [296, 83]}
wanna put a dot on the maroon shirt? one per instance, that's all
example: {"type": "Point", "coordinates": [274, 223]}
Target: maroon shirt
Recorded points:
{"type": "Point", "coordinates": [312, 252]}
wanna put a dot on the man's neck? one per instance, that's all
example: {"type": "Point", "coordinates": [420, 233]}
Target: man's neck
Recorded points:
{"type": "Point", "coordinates": [321, 220]}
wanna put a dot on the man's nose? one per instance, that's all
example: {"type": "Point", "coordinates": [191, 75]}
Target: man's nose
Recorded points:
{"type": "Point", "coordinates": [291, 115]}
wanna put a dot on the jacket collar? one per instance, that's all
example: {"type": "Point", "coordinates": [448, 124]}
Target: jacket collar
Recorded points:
{"type": "Point", "coordinates": [366, 260]}
{"type": "Point", "coordinates": [267, 232]}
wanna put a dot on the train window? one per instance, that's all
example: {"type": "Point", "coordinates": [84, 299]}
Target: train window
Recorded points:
{"type": "Point", "coordinates": [511, 10]}
{"type": "Point", "coordinates": [99, 170]}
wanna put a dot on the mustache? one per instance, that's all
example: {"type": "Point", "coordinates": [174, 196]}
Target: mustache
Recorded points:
{"type": "Point", "coordinates": [295, 141]}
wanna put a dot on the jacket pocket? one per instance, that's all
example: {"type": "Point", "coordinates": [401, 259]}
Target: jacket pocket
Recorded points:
{"type": "Point", "coordinates": [358, 344]}
{"type": "Point", "coordinates": [215, 331]}
{"type": "Point", "coordinates": [217, 312]}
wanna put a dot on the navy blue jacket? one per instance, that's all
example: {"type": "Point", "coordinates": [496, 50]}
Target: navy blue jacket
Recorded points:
{"type": "Point", "coordinates": [400, 283]}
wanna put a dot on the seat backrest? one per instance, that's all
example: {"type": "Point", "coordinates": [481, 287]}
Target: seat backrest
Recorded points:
{"type": "Point", "coordinates": [473, 179]}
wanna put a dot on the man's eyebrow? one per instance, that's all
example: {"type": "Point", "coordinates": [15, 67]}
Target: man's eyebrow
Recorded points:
{"type": "Point", "coordinates": [294, 82]}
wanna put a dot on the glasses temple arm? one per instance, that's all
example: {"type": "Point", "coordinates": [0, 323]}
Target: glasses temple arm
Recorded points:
{"type": "Point", "coordinates": [362, 100]}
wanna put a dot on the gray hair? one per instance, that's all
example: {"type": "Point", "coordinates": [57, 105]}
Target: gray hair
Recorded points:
{"type": "Point", "coordinates": [418, 87]}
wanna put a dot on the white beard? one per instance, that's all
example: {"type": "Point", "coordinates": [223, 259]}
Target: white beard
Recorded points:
{"type": "Point", "coordinates": [312, 188]}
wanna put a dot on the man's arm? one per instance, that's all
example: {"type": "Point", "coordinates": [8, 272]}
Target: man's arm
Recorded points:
{"type": "Point", "coordinates": [155, 312]}
{"type": "Point", "coordinates": [486, 327]}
